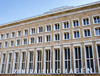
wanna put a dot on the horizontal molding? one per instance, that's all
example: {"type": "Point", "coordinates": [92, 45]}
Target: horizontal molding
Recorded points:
{"type": "Point", "coordinates": [51, 18]}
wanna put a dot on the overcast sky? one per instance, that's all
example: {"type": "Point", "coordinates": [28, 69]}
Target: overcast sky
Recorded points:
{"type": "Point", "coordinates": [12, 10]}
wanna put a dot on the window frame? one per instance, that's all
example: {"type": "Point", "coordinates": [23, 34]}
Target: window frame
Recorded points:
{"type": "Point", "coordinates": [38, 28]}
{"type": "Point", "coordinates": [77, 45]}
{"type": "Point", "coordinates": [1, 44]}
{"type": "Point", "coordinates": [24, 31]}
{"type": "Point", "coordinates": [37, 39]}
{"type": "Point", "coordinates": [94, 30]}
{"type": "Point", "coordinates": [66, 46]}
{"type": "Point", "coordinates": [93, 18]}
{"type": "Point", "coordinates": [88, 44]}
{"type": "Point", "coordinates": [14, 34]}
{"type": "Point", "coordinates": [46, 27]}
{"type": "Point", "coordinates": [46, 37]}
{"type": "Point", "coordinates": [64, 22]}
{"type": "Point", "coordinates": [17, 33]}
{"type": "Point", "coordinates": [20, 41]}
{"type": "Point", "coordinates": [30, 39]}
{"type": "Point", "coordinates": [59, 26]}
{"type": "Point", "coordinates": [79, 33]}
{"type": "Point", "coordinates": [13, 43]}
{"type": "Point", "coordinates": [76, 19]}
{"type": "Point", "coordinates": [3, 36]}
{"type": "Point", "coordinates": [64, 33]}
{"type": "Point", "coordinates": [31, 30]}
{"type": "Point", "coordinates": [84, 33]}
{"type": "Point", "coordinates": [23, 41]}
{"type": "Point", "coordinates": [8, 36]}
{"type": "Point", "coordinates": [86, 18]}
{"type": "Point", "coordinates": [54, 36]}
{"type": "Point", "coordinates": [7, 44]}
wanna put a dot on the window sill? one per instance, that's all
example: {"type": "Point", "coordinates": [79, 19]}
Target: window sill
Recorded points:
{"type": "Point", "coordinates": [96, 23]}
{"type": "Point", "coordinates": [65, 39]}
{"type": "Point", "coordinates": [76, 38]}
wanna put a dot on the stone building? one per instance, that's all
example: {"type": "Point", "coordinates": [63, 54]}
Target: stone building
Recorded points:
{"type": "Point", "coordinates": [62, 41]}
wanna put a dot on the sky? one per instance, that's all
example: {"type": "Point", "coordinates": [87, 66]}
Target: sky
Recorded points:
{"type": "Point", "coordinates": [13, 10]}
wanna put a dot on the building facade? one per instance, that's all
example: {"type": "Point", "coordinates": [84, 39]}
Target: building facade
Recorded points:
{"type": "Point", "coordinates": [62, 41]}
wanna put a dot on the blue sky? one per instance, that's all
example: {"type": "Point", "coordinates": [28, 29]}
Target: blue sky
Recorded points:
{"type": "Point", "coordinates": [12, 10]}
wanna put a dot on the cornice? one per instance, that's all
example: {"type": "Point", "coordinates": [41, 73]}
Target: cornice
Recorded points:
{"type": "Point", "coordinates": [47, 15]}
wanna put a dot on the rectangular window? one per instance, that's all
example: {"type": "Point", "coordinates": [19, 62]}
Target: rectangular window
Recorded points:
{"type": "Point", "coordinates": [66, 35]}
{"type": "Point", "coordinates": [66, 25]}
{"type": "Point", "coordinates": [76, 34]}
{"type": "Point", "coordinates": [24, 41]}
{"type": "Point", "coordinates": [23, 60]}
{"type": "Point", "coordinates": [75, 23]}
{"type": "Point", "coordinates": [12, 43]}
{"type": "Point", "coordinates": [40, 29]}
{"type": "Point", "coordinates": [26, 32]}
{"type": "Point", "coordinates": [32, 30]}
{"type": "Point", "coordinates": [39, 61]}
{"type": "Point", "coordinates": [57, 60]}
{"type": "Point", "coordinates": [47, 61]}
{"type": "Point", "coordinates": [85, 21]}
{"type": "Point", "coordinates": [13, 34]}
{"type": "Point", "coordinates": [16, 61]}
{"type": "Point", "coordinates": [97, 31]}
{"type": "Point", "coordinates": [87, 33]}
{"type": "Point", "coordinates": [32, 40]}
{"type": "Point", "coordinates": [19, 33]}
{"type": "Point", "coordinates": [48, 27]}
{"type": "Point", "coordinates": [2, 36]}
{"type": "Point", "coordinates": [18, 42]}
{"type": "Point", "coordinates": [39, 39]}
{"type": "Point", "coordinates": [67, 59]}
{"type": "Point", "coordinates": [89, 58]}
{"type": "Point", "coordinates": [96, 19]}
{"type": "Point", "coordinates": [7, 35]}
{"type": "Point", "coordinates": [6, 44]}
{"type": "Point", "coordinates": [57, 26]}
{"type": "Point", "coordinates": [48, 38]}
{"type": "Point", "coordinates": [31, 55]}
{"type": "Point", "coordinates": [3, 63]}
{"type": "Point", "coordinates": [98, 51]}
{"type": "Point", "coordinates": [57, 37]}
{"type": "Point", "coordinates": [0, 45]}
{"type": "Point", "coordinates": [78, 61]}
{"type": "Point", "coordinates": [9, 63]}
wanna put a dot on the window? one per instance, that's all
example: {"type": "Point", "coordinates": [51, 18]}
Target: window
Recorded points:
{"type": "Point", "coordinates": [98, 52]}
{"type": "Point", "coordinates": [7, 35]}
{"type": "Point", "coordinates": [25, 41]}
{"type": "Point", "coordinates": [32, 30]}
{"type": "Point", "coordinates": [76, 34]}
{"type": "Point", "coordinates": [57, 26]}
{"type": "Point", "coordinates": [47, 61]}
{"type": "Point", "coordinates": [75, 23]}
{"type": "Point", "coordinates": [26, 32]}
{"type": "Point", "coordinates": [6, 44]}
{"type": "Point", "coordinates": [97, 31]}
{"type": "Point", "coordinates": [67, 60]}
{"type": "Point", "coordinates": [89, 58]}
{"type": "Point", "coordinates": [39, 39]}
{"type": "Point", "coordinates": [77, 59]}
{"type": "Point", "coordinates": [9, 63]}
{"type": "Point", "coordinates": [48, 38]}
{"type": "Point", "coordinates": [18, 33]}
{"type": "Point", "coordinates": [32, 40]}
{"type": "Point", "coordinates": [23, 60]}
{"type": "Point", "coordinates": [30, 66]}
{"type": "Point", "coordinates": [87, 33]}
{"type": "Point", "coordinates": [65, 25]}
{"type": "Point", "coordinates": [96, 19]}
{"type": "Point", "coordinates": [48, 27]}
{"type": "Point", "coordinates": [40, 29]}
{"type": "Point", "coordinates": [39, 61]}
{"type": "Point", "coordinates": [2, 36]}
{"type": "Point", "coordinates": [0, 45]}
{"type": "Point", "coordinates": [57, 60]}
{"type": "Point", "coordinates": [57, 37]}
{"type": "Point", "coordinates": [3, 63]}
{"type": "Point", "coordinates": [12, 43]}
{"type": "Point", "coordinates": [13, 34]}
{"type": "Point", "coordinates": [16, 61]}
{"type": "Point", "coordinates": [18, 42]}
{"type": "Point", "coordinates": [66, 35]}
{"type": "Point", "coordinates": [85, 21]}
